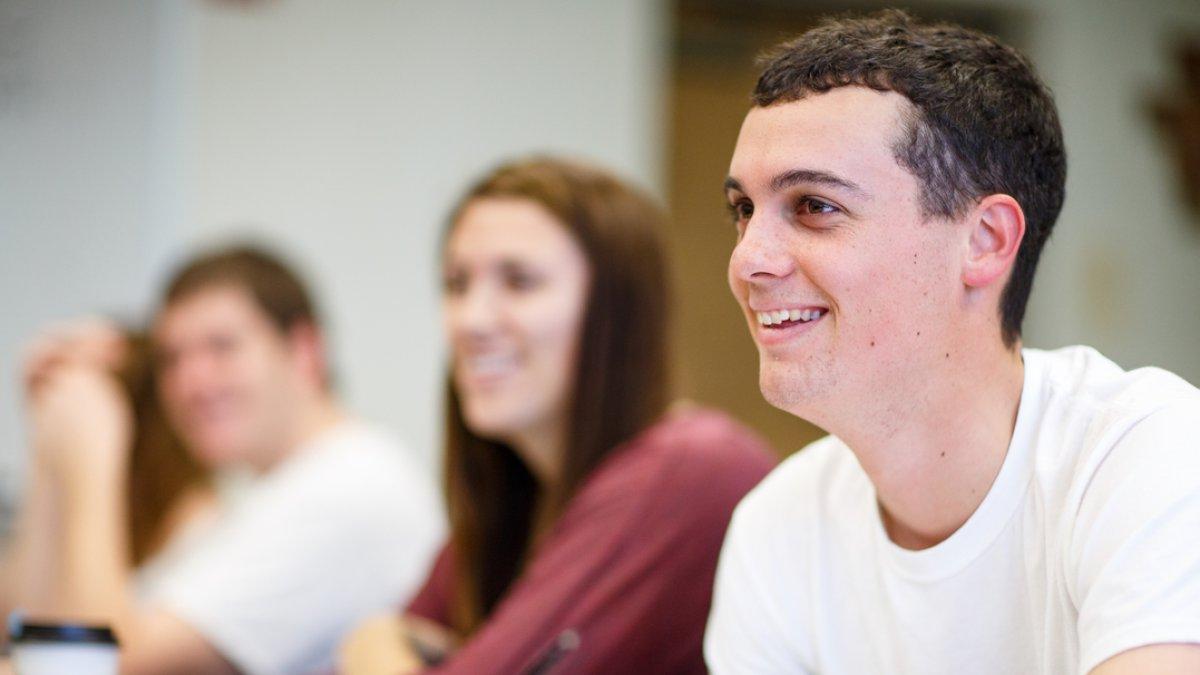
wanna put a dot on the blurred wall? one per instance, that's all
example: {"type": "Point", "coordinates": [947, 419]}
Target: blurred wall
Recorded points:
{"type": "Point", "coordinates": [131, 131]}
{"type": "Point", "coordinates": [1122, 271]}
{"type": "Point", "coordinates": [85, 108]}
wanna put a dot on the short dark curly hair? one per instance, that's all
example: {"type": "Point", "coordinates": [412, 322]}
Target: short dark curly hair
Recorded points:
{"type": "Point", "coordinates": [981, 121]}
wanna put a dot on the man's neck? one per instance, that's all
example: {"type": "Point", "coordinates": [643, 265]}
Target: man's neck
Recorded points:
{"type": "Point", "coordinates": [317, 415]}
{"type": "Point", "coordinates": [936, 453]}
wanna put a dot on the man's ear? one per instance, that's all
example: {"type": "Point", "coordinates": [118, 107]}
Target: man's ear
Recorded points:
{"type": "Point", "coordinates": [997, 226]}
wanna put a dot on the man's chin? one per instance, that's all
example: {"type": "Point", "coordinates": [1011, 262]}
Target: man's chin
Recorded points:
{"type": "Point", "coordinates": [792, 389]}
{"type": "Point", "coordinates": [217, 453]}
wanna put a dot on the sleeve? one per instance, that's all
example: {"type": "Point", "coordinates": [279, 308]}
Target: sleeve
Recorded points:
{"type": "Point", "coordinates": [629, 569]}
{"type": "Point", "coordinates": [742, 634]}
{"type": "Point", "coordinates": [1136, 548]}
{"type": "Point", "coordinates": [276, 587]}
{"type": "Point", "coordinates": [432, 601]}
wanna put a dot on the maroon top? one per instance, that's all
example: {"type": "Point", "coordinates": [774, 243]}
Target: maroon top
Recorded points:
{"type": "Point", "coordinates": [630, 564]}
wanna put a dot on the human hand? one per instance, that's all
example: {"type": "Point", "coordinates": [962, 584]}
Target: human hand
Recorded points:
{"type": "Point", "coordinates": [81, 424]}
{"type": "Point", "coordinates": [89, 341]}
{"type": "Point", "coordinates": [383, 645]}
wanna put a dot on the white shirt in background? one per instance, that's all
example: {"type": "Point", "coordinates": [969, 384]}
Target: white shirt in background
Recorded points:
{"type": "Point", "coordinates": [345, 527]}
{"type": "Point", "coordinates": [1086, 545]}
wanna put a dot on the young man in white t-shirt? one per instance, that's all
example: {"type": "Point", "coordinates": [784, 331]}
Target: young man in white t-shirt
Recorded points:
{"type": "Point", "coordinates": [979, 507]}
{"type": "Point", "coordinates": [337, 522]}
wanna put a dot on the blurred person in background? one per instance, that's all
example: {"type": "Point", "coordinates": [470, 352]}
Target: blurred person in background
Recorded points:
{"type": "Point", "coordinates": [585, 518]}
{"type": "Point", "coordinates": [335, 524]}
{"type": "Point", "coordinates": [77, 377]}
{"type": "Point", "coordinates": [979, 507]}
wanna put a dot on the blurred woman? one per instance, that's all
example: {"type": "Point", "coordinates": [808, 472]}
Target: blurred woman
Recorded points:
{"type": "Point", "coordinates": [586, 520]}
{"type": "Point", "coordinates": [90, 391]}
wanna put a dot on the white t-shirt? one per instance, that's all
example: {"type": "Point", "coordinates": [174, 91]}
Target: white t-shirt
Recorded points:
{"type": "Point", "coordinates": [1086, 545]}
{"type": "Point", "coordinates": [346, 526]}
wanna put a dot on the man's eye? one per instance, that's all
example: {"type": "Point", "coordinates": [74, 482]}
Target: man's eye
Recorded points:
{"type": "Point", "coordinates": [812, 206]}
{"type": "Point", "coordinates": [522, 281]}
{"type": "Point", "coordinates": [741, 210]}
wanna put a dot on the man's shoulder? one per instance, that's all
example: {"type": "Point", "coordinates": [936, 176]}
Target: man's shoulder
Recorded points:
{"type": "Point", "coordinates": [352, 468]}
{"type": "Point", "coordinates": [783, 527]}
{"type": "Point", "coordinates": [353, 450]}
{"type": "Point", "coordinates": [803, 486]}
{"type": "Point", "coordinates": [1089, 381]}
{"type": "Point", "coordinates": [1087, 406]}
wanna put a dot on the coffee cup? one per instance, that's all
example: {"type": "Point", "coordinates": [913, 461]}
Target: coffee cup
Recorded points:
{"type": "Point", "coordinates": [44, 648]}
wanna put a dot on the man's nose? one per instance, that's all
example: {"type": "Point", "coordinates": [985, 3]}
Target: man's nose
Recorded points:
{"type": "Point", "coordinates": [190, 373]}
{"type": "Point", "coordinates": [762, 253]}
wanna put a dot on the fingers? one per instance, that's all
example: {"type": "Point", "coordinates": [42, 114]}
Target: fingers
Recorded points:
{"type": "Point", "coordinates": [96, 341]}
{"type": "Point", "coordinates": [72, 391]}
{"type": "Point", "coordinates": [58, 383]}
{"type": "Point", "coordinates": [41, 356]}
{"type": "Point", "coordinates": [80, 424]}
{"type": "Point", "coordinates": [90, 341]}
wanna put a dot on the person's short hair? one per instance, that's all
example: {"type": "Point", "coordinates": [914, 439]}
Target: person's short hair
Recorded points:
{"type": "Point", "coordinates": [275, 287]}
{"type": "Point", "coordinates": [981, 121]}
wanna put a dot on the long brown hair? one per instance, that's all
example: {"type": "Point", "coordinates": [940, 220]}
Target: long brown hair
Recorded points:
{"type": "Point", "coordinates": [160, 468]}
{"type": "Point", "coordinates": [620, 381]}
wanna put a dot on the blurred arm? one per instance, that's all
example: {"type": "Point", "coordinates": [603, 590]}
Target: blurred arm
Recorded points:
{"type": "Point", "coordinates": [95, 584]}
{"type": "Point", "coordinates": [82, 427]}
{"type": "Point", "coordinates": [30, 564]}
{"type": "Point", "coordinates": [1164, 659]}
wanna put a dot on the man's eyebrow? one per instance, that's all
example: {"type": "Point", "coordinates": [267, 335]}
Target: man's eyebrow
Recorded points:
{"type": "Point", "coordinates": [787, 179]}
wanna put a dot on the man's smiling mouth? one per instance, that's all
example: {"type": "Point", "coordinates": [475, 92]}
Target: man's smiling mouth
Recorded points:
{"type": "Point", "coordinates": [781, 318]}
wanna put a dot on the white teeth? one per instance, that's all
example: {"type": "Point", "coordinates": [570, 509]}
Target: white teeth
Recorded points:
{"type": "Point", "coordinates": [778, 316]}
